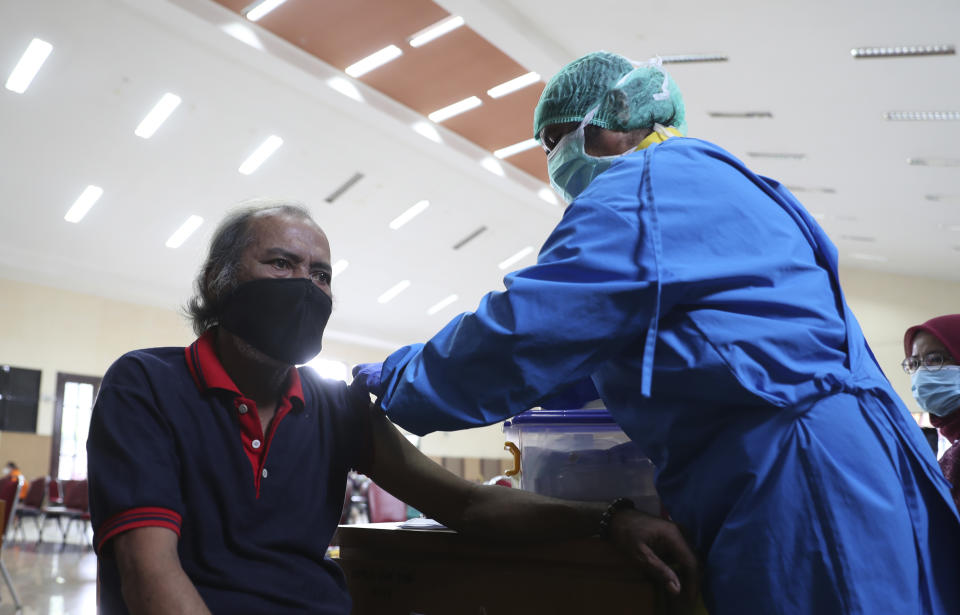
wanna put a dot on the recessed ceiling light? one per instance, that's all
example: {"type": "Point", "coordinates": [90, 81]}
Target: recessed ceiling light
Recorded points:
{"type": "Point", "coordinates": [436, 30]}
{"type": "Point", "coordinates": [952, 198]}
{"type": "Point", "coordinates": [750, 115]}
{"type": "Point", "coordinates": [256, 11]}
{"type": "Point", "coordinates": [910, 50]}
{"type": "Point", "coordinates": [393, 291]}
{"type": "Point", "coordinates": [782, 155]}
{"type": "Point", "coordinates": [28, 66]}
{"type": "Point", "coordinates": [84, 202]}
{"type": "Point", "coordinates": [157, 116]}
{"type": "Point", "coordinates": [439, 305]}
{"type": "Point", "coordinates": [821, 190]}
{"type": "Point", "coordinates": [863, 238]}
{"type": "Point", "coordinates": [469, 237]}
{"type": "Point", "coordinates": [934, 162]}
{"type": "Point", "coordinates": [186, 229]}
{"type": "Point", "coordinates": [244, 34]}
{"type": "Point", "coordinates": [427, 130]}
{"type": "Point", "coordinates": [922, 116]}
{"type": "Point", "coordinates": [818, 215]}
{"type": "Point", "coordinates": [694, 57]}
{"type": "Point", "coordinates": [513, 85]}
{"type": "Point", "coordinates": [266, 149]}
{"type": "Point", "coordinates": [869, 257]}
{"type": "Point", "coordinates": [418, 208]}
{"type": "Point", "coordinates": [374, 60]}
{"type": "Point", "coordinates": [548, 195]}
{"type": "Point", "coordinates": [339, 267]}
{"type": "Point", "coordinates": [455, 109]}
{"type": "Point", "coordinates": [516, 148]}
{"type": "Point", "coordinates": [492, 165]}
{"type": "Point", "coordinates": [345, 87]}
{"type": "Point", "coordinates": [516, 257]}
{"type": "Point", "coordinates": [950, 227]}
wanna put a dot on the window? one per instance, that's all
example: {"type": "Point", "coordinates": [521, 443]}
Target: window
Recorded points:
{"type": "Point", "coordinates": [71, 422]}
{"type": "Point", "coordinates": [19, 398]}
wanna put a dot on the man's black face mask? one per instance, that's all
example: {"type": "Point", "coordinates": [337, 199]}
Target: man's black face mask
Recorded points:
{"type": "Point", "coordinates": [283, 318]}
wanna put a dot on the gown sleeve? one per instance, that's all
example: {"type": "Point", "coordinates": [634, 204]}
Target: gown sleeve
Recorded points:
{"type": "Point", "coordinates": [591, 293]}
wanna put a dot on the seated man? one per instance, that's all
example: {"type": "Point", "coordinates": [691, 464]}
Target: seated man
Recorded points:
{"type": "Point", "coordinates": [217, 471]}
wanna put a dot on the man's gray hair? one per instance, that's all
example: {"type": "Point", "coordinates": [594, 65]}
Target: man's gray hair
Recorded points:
{"type": "Point", "coordinates": [218, 275]}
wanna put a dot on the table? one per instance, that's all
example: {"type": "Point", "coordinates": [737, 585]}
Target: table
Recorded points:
{"type": "Point", "coordinates": [439, 572]}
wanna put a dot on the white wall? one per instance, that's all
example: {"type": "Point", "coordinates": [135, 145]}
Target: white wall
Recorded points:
{"type": "Point", "coordinates": [56, 330]}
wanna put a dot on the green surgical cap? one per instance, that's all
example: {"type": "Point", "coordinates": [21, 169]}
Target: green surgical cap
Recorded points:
{"type": "Point", "coordinates": [630, 105]}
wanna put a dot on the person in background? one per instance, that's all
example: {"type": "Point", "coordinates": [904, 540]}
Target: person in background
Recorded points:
{"type": "Point", "coordinates": [703, 303]}
{"type": "Point", "coordinates": [13, 472]}
{"type": "Point", "coordinates": [931, 351]}
{"type": "Point", "coordinates": [217, 471]}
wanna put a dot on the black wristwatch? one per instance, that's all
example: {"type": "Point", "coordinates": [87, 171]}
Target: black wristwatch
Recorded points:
{"type": "Point", "coordinates": [607, 517]}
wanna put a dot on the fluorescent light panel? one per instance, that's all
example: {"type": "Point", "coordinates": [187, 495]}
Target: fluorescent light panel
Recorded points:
{"type": "Point", "coordinates": [876, 258]}
{"type": "Point", "coordinates": [86, 200]}
{"type": "Point", "coordinates": [345, 87]}
{"type": "Point", "coordinates": [688, 58]}
{"type": "Point", "coordinates": [260, 9]}
{"type": "Point", "coordinates": [427, 130]}
{"type": "Point", "coordinates": [548, 195]}
{"type": "Point", "coordinates": [439, 305]}
{"type": "Point", "coordinates": [911, 50]}
{"type": "Point", "coordinates": [943, 197]}
{"type": "Point", "coordinates": [749, 115]}
{"type": "Point", "coordinates": [186, 229]}
{"type": "Point", "coordinates": [157, 116]}
{"type": "Point", "coordinates": [780, 155]}
{"type": "Point", "coordinates": [418, 208]}
{"type": "Point", "coordinates": [393, 291]}
{"type": "Point", "coordinates": [516, 148]}
{"type": "Point", "coordinates": [374, 60]}
{"type": "Point", "coordinates": [436, 30]}
{"type": "Point", "coordinates": [339, 267]}
{"type": "Point", "coordinates": [244, 34]}
{"type": "Point", "coordinates": [259, 156]}
{"type": "Point", "coordinates": [922, 116]}
{"type": "Point", "coordinates": [516, 257]}
{"type": "Point", "coordinates": [821, 190]}
{"type": "Point", "coordinates": [492, 165]}
{"type": "Point", "coordinates": [513, 85]}
{"type": "Point", "coordinates": [934, 162]}
{"type": "Point", "coordinates": [455, 109]}
{"type": "Point", "coordinates": [28, 66]}
{"type": "Point", "coordinates": [863, 238]}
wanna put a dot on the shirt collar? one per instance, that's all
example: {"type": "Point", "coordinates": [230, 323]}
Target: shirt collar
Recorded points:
{"type": "Point", "coordinates": [208, 373]}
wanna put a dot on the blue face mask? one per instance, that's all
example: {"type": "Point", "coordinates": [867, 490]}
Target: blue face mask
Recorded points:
{"type": "Point", "coordinates": [937, 392]}
{"type": "Point", "coordinates": [570, 167]}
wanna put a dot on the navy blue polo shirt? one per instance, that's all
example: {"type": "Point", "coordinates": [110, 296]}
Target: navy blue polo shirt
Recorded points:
{"type": "Point", "coordinates": [173, 443]}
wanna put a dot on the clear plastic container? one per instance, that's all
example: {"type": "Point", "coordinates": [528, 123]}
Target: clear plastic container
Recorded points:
{"type": "Point", "coordinates": [581, 455]}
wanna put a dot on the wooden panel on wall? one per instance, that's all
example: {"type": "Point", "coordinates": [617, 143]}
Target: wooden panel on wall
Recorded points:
{"type": "Point", "coordinates": [31, 452]}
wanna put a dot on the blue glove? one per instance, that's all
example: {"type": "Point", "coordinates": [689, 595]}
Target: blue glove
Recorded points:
{"type": "Point", "coordinates": [366, 376]}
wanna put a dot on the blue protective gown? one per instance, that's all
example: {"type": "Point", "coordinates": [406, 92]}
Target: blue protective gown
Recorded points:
{"type": "Point", "coordinates": [703, 302]}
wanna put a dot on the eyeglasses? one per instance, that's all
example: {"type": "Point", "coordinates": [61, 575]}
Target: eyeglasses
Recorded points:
{"type": "Point", "coordinates": [932, 361]}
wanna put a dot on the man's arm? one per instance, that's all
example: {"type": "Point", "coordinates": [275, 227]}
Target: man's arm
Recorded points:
{"type": "Point", "coordinates": [151, 579]}
{"type": "Point", "coordinates": [514, 515]}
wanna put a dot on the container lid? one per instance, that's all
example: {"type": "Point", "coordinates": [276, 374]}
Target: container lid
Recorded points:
{"type": "Point", "coordinates": [579, 416]}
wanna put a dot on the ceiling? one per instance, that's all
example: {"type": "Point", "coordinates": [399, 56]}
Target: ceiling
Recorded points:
{"type": "Point", "coordinates": [113, 59]}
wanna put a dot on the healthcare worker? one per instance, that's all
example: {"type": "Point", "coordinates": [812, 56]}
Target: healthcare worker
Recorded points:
{"type": "Point", "coordinates": [703, 303]}
{"type": "Point", "coordinates": [931, 351]}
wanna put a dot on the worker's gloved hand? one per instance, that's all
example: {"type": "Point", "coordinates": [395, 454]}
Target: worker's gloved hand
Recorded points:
{"type": "Point", "coordinates": [366, 376]}
{"type": "Point", "coordinates": [661, 551]}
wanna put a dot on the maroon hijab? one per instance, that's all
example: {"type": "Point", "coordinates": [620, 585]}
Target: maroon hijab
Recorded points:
{"type": "Point", "coordinates": [947, 330]}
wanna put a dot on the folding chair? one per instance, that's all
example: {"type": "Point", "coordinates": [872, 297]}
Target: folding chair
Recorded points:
{"type": "Point", "coordinates": [32, 507]}
{"type": "Point", "coordinates": [76, 507]}
{"type": "Point", "coordinates": [9, 490]}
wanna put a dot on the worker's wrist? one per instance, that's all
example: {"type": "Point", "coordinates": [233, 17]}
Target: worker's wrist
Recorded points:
{"type": "Point", "coordinates": [615, 507]}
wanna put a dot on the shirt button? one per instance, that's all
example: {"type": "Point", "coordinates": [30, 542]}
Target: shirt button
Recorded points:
{"type": "Point", "coordinates": [264, 473]}
{"type": "Point", "coordinates": [242, 408]}
{"type": "Point", "coordinates": [255, 444]}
